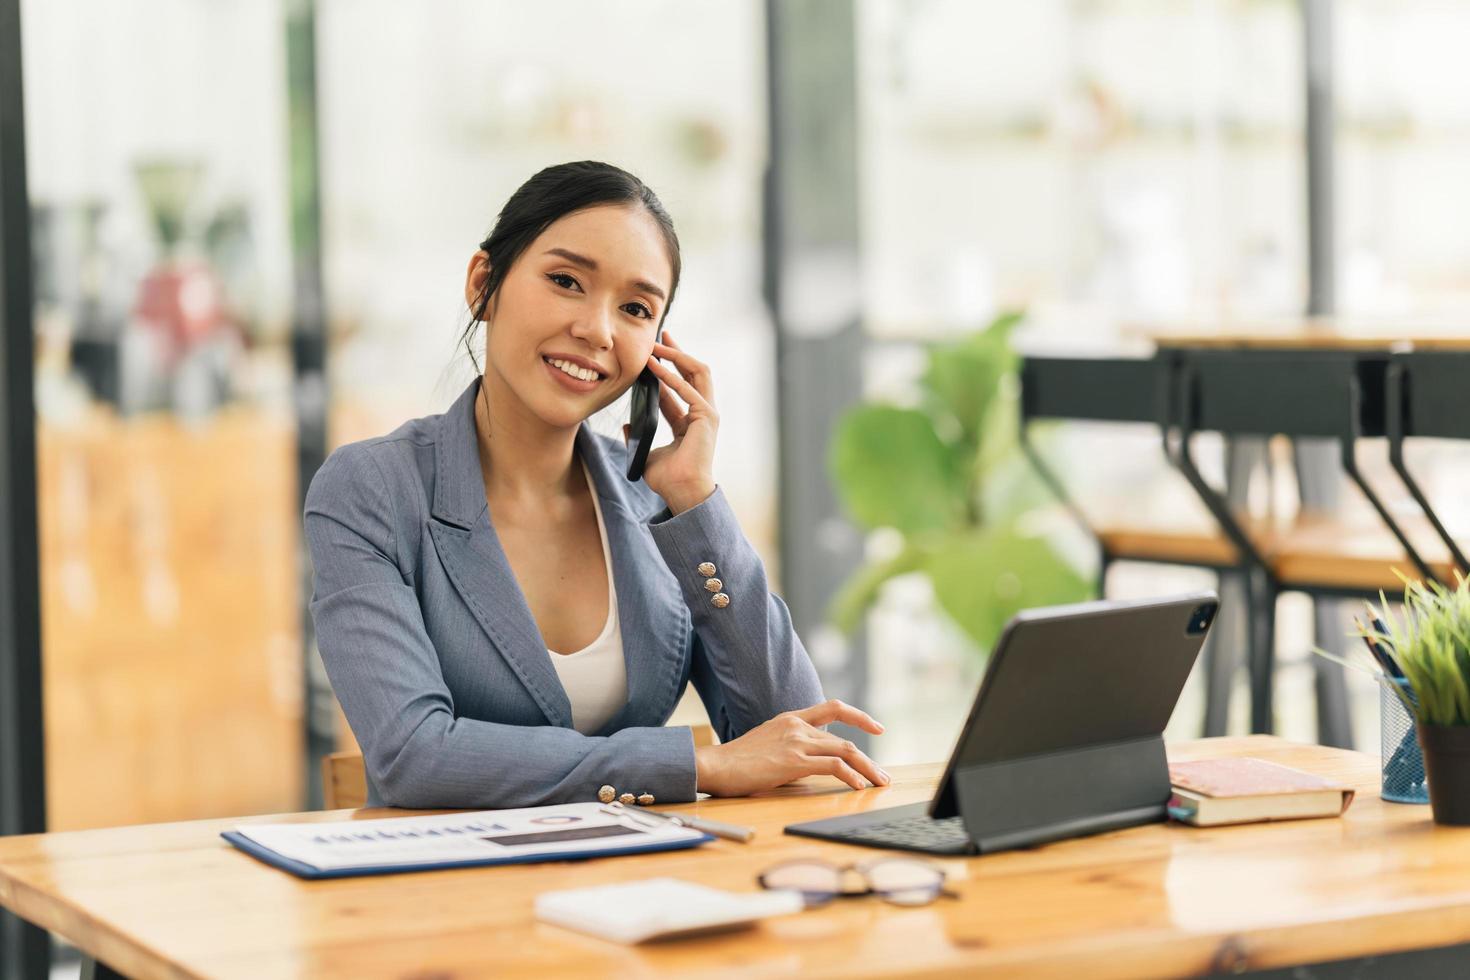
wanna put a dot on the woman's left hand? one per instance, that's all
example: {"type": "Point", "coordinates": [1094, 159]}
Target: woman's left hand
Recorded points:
{"type": "Point", "coordinates": [683, 472]}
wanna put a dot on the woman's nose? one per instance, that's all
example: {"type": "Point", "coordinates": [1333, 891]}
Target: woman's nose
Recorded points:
{"type": "Point", "coordinates": [595, 328]}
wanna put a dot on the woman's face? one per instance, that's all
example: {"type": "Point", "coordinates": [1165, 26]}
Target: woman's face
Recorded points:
{"type": "Point", "coordinates": [585, 297]}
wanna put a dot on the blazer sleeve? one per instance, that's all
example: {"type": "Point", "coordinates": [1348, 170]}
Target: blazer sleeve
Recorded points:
{"type": "Point", "coordinates": [418, 752]}
{"type": "Point", "coordinates": [749, 665]}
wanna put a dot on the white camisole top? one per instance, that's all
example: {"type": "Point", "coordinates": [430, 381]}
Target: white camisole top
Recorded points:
{"type": "Point", "coordinates": [596, 677]}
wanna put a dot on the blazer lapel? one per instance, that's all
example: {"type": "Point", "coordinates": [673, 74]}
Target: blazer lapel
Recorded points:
{"type": "Point", "coordinates": [653, 620]}
{"type": "Point", "coordinates": [476, 563]}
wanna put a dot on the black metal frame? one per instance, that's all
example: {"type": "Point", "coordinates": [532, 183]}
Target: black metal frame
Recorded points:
{"type": "Point", "coordinates": [1434, 401]}
{"type": "Point", "coordinates": [1088, 389]}
{"type": "Point", "coordinates": [1179, 450]}
{"type": "Point", "coordinates": [24, 949]}
{"type": "Point", "coordinates": [1352, 394]}
{"type": "Point", "coordinates": [1349, 447]}
{"type": "Point", "coordinates": [1355, 423]}
{"type": "Point", "coordinates": [1360, 384]}
{"type": "Point", "coordinates": [1117, 390]}
{"type": "Point", "coordinates": [1054, 484]}
{"type": "Point", "coordinates": [1257, 579]}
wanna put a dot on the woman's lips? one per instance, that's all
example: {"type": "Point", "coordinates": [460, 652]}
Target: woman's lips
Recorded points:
{"type": "Point", "coordinates": [567, 381]}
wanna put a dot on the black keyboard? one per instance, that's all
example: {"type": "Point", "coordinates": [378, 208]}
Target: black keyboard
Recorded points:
{"type": "Point", "coordinates": [917, 833]}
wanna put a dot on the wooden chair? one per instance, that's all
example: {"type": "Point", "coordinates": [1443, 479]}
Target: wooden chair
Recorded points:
{"type": "Point", "coordinates": [344, 777]}
{"type": "Point", "coordinates": [1312, 554]}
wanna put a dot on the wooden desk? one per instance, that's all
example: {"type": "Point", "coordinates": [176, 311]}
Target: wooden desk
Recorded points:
{"type": "Point", "coordinates": [1304, 333]}
{"type": "Point", "coordinates": [174, 900]}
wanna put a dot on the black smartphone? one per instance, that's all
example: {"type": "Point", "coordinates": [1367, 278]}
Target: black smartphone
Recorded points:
{"type": "Point", "coordinates": [642, 420]}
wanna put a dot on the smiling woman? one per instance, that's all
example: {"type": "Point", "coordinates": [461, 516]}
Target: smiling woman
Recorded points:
{"type": "Point", "coordinates": [506, 619]}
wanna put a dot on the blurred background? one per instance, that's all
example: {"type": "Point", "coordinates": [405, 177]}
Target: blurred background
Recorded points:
{"type": "Point", "coordinates": [249, 222]}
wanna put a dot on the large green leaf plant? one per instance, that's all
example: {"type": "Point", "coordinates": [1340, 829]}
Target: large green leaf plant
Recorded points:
{"type": "Point", "coordinates": [947, 476]}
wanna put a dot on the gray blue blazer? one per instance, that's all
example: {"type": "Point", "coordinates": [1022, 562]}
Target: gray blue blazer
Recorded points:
{"type": "Point", "coordinates": [442, 671]}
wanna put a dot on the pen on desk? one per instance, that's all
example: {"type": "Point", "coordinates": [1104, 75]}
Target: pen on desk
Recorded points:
{"type": "Point", "coordinates": [1393, 665]}
{"type": "Point", "coordinates": [715, 828]}
{"type": "Point", "coordinates": [1392, 676]}
{"type": "Point", "coordinates": [1380, 656]}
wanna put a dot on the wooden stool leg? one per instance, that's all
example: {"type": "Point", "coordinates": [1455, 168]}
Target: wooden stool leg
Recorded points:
{"type": "Point", "coordinates": [1262, 652]}
{"type": "Point", "coordinates": [1221, 654]}
{"type": "Point", "coordinates": [1334, 717]}
{"type": "Point", "coordinates": [1238, 592]}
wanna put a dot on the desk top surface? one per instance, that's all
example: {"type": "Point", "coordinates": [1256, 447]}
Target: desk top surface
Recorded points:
{"type": "Point", "coordinates": [174, 900]}
{"type": "Point", "coordinates": [1304, 333]}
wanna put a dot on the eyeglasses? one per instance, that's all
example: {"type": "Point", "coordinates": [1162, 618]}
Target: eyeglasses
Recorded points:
{"type": "Point", "coordinates": [902, 881]}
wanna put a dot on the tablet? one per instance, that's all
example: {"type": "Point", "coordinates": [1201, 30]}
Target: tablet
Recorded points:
{"type": "Point", "coordinates": [1065, 736]}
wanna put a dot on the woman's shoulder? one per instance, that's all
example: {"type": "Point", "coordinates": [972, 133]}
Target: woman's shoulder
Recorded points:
{"type": "Point", "coordinates": [395, 467]}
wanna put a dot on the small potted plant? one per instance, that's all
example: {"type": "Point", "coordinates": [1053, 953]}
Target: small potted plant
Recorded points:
{"type": "Point", "coordinates": [1431, 645]}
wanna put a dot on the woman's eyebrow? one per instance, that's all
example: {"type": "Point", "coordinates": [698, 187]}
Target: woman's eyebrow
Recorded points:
{"type": "Point", "coordinates": [591, 266]}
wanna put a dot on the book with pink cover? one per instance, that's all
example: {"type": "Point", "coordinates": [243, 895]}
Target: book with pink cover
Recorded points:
{"type": "Point", "coordinates": [1208, 792]}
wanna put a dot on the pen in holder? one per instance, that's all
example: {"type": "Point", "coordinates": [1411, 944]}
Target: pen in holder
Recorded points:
{"type": "Point", "coordinates": [1404, 780]}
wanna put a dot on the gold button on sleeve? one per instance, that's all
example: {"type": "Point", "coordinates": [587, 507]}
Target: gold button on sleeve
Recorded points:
{"type": "Point", "coordinates": [645, 799]}
{"type": "Point", "coordinates": [607, 794]}
{"type": "Point", "coordinates": [720, 600]}
{"type": "Point", "coordinates": [713, 585]}
{"type": "Point", "coordinates": [627, 799]}
{"type": "Point", "coordinates": [706, 568]}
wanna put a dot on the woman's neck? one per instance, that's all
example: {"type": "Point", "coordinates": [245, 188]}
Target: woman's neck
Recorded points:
{"type": "Point", "coordinates": [525, 463]}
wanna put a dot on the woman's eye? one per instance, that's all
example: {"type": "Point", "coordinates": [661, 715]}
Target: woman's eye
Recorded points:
{"type": "Point", "coordinates": [639, 310]}
{"type": "Point", "coordinates": [563, 280]}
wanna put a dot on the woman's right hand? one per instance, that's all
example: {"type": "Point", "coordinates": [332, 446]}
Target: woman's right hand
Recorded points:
{"type": "Point", "coordinates": [788, 747]}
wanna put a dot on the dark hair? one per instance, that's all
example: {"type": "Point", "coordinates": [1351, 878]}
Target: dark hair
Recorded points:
{"type": "Point", "coordinates": [554, 193]}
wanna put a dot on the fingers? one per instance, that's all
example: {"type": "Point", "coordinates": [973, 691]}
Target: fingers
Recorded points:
{"type": "Point", "coordinates": [696, 371]}
{"type": "Point", "coordinates": [672, 411]}
{"type": "Point", "coordinates": [675, 380]}
{"type": "Point", "coordinates": [834, 710]}
{"type": "Point", "coordinates": [841, 748]}
{"type": "Point", "coordinates": [833, 766]}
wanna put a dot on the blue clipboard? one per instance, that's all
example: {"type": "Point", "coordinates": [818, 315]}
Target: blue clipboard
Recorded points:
{"type": "Point", "coordinates": [303, 870]}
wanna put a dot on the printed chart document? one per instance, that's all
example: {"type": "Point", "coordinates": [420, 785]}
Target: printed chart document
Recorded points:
{"type": "Point", "coordinates": [454, 840]}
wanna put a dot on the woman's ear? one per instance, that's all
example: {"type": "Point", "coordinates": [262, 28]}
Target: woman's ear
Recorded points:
{"type": "Point", "coordinates": [474, 279]}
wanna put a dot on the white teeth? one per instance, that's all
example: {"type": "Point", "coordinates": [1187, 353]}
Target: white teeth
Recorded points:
{"type": "Point", "coordinates": [576, 371]}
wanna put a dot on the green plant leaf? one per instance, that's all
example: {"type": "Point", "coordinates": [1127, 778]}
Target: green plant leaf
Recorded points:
{"type": "Point", "coordinates": [1011, 488]}
{"type": "Point", "coordinates": [1429, 641]}
{"type": "Point", "coordinates": [891, 469]}
{"type": "Point", "coordinates": [948, 477]}
{"type": "Point", "coordinates": [861, 590]}
{"type": "Point", "coordinates": [962, 379]}
{"type": "Point", "coordinates": [983, 578]}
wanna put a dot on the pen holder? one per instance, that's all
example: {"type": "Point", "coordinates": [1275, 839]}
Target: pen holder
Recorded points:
{"type": "Point", "coordinates": [1403, 761]}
